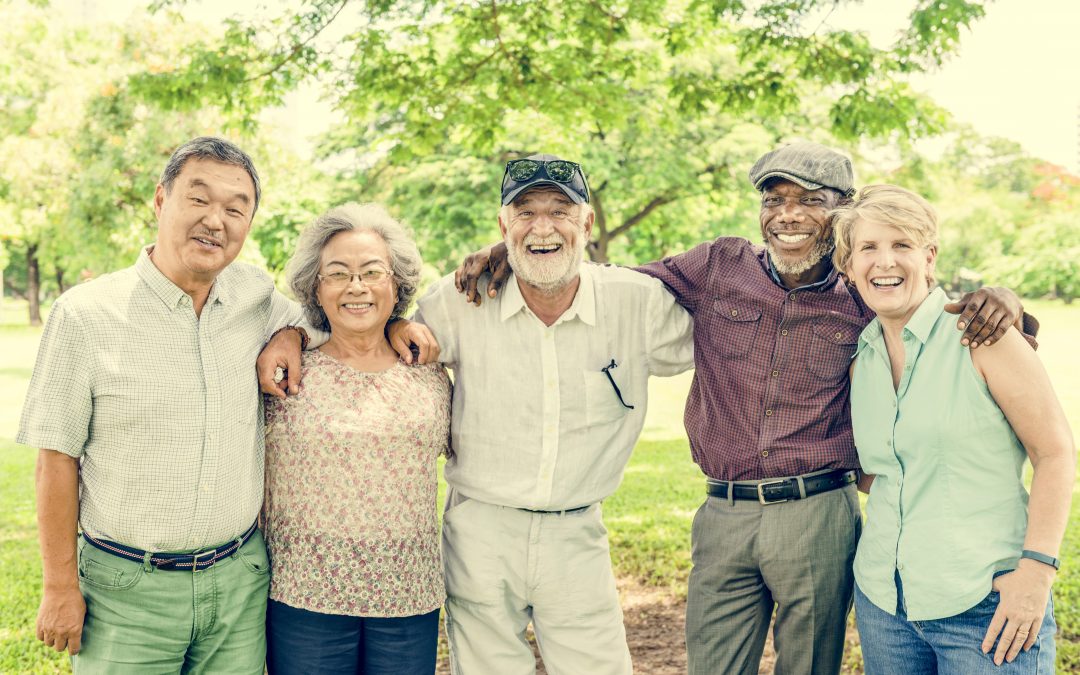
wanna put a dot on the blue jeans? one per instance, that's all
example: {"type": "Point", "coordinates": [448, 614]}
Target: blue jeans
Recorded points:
{"type": "Point", "coordinates": [953, 645]}
{"type": "Point", "coordinates": [304, 642]}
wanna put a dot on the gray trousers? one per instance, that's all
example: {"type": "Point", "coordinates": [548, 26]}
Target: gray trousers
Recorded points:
{"type": "Point", "coordinates": [750, 557]}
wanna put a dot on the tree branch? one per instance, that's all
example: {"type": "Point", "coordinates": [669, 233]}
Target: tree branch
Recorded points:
{"type": "Point", "coordinates": [297, 47]}
{"type": "Point", "coordinates": [633, 220]}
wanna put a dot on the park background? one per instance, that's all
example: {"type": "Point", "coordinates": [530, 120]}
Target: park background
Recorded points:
{"type": "Point", "coordinates": [417, 104]}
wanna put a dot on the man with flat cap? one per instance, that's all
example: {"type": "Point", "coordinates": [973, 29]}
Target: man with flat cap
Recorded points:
{"type": "Point", "coordinates": [767, 417]}
{"type": "Point", "coordinates": [550, 387]}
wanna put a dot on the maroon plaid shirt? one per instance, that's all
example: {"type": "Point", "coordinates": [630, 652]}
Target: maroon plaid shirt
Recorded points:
{"type": "Point", "coordinates": [770, 394]}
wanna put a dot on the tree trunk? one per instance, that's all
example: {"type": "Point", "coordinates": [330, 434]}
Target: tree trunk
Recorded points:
{"type": "Point", "coordinates": [60, 280]}
{"type": "Point", "coordinates": [598, 247]}
{"type": "Point", "coordinates": [33, 284]}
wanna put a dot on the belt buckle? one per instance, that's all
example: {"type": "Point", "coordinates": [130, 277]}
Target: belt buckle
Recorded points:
{"type": "Point", "coordinates": [195, 559]}
{"type": "Point", "coordinates": [761, 492]}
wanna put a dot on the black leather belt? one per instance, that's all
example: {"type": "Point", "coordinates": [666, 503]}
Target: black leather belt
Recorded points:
{"type": "Point", "coordinates": [782, 489]}
{"type": "Point", "coordinates": [173, 561]}
{"type": "Point", "coordinates": [578, 509]}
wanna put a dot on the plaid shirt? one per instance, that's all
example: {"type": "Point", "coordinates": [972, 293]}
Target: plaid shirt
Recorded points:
{"type": "Point", "coordinates": [770, 394]}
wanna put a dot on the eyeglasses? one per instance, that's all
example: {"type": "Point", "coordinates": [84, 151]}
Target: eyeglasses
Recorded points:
{"type": "Point", "coordinates": [369, 277]}
{"type": "Point", "coordinates": [558, 170]}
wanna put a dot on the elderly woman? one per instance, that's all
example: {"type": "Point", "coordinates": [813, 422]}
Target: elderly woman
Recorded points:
{"type": "Point", "coordinates": [350, 509]}
{"type": "Point", "coordinates": [954, 568]}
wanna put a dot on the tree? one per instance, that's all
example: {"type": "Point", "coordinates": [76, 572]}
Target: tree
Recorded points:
{"type": "Point", "coordinates": [653, 96]}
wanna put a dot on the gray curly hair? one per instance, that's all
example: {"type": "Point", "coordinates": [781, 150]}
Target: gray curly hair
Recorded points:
{"type": "Point", "coordinates": [302, 270]}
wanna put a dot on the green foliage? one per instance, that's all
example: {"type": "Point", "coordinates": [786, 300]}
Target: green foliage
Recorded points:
{"type": "Point", "coordinates": [650, 96]}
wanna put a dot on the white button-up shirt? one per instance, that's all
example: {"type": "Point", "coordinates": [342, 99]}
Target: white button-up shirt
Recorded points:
{"type": "Point", "coordinates": [536, 423]}
{"type": "Point", "coordinates": [162, 407]}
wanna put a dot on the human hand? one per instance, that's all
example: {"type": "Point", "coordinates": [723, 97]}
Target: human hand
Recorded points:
{"type": "Point", "coordinates": [986, 314]}
{"type": "Point", "coordinates": [493, 260]}
{"type": "Point", "coordinates": [1025, 593]}
{"type": "Point", "coordinates": [60, 619]}
{"type": "Point", "coordinates": [283, 351]}
{"type": "Point", "coordinates": [403, 334]}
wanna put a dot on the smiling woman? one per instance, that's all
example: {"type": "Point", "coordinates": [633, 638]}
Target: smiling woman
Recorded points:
{"type": "Point", "coordinates": [349, 516]}
{"type": "Point", "coordinates": [952, 542]}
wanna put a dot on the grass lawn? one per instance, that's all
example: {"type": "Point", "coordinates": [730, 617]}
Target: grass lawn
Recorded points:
{"type": "Point", "coordinates": [648, 518]}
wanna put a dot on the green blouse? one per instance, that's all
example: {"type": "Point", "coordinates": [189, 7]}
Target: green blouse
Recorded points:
{"type": "Point", "coordinates": [948, 508]}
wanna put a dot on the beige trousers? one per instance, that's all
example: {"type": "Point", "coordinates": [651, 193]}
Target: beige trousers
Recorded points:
{"type": "Point", "coordinates": [506, 567]}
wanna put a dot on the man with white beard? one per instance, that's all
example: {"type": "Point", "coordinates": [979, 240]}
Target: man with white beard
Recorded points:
{"type": "Point", "coordinates": [549, 398]}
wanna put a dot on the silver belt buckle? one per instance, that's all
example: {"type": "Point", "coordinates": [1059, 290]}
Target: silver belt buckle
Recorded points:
{"type": "Point", "coordinates": [761, 492]}
{"type": "Point", "coordinates": [195, 562]}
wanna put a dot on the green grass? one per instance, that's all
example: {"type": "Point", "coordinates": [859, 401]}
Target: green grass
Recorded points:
{"type": "Point", "coordinates": [648, 517]}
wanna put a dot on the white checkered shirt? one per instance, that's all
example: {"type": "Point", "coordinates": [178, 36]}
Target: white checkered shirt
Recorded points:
{"type": "Point", "coordinates": [162, 407]}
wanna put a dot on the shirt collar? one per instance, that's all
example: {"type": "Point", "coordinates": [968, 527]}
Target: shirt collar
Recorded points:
{"type": "Point", "coordinates": [171, 294]}
{"type": "Point", "coordinates": [829, 278]}
{"type": "Point", "coordinates": [919, 325]}
{"type": "Point", "coordinates": [583, 306]}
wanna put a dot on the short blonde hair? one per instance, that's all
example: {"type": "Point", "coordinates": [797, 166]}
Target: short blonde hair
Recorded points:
{"type": "Point", "coordinates": [886, 205]}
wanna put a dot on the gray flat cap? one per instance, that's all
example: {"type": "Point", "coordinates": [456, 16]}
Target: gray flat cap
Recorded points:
{"type": "Point", "coordinates": [810, 165]}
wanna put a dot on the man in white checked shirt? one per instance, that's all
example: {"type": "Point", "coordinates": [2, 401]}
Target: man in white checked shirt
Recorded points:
{"type": "Point", "coordinates": [550, 392]}
{"type": "Point", "coordinates": [144, 380]}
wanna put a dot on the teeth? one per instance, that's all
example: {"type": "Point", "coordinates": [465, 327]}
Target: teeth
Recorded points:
{"type": "Point", "coordinates": [887, 281]}
{"type": "Point", "coordinates": [543, 248]}
{"type": "Point", "coordinates": [792, 238]}
{"type": "Point", "coordinates": [356, 305]}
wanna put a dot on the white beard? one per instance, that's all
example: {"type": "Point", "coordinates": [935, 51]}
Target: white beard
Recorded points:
{"type": "Point", "coordinates": [821, 249]}
{"type": "Point", "coordinates": [547, 273]}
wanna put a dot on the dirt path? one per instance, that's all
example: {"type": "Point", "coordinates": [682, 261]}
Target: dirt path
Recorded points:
{"type": "Point", "coordinates": [655, 628]}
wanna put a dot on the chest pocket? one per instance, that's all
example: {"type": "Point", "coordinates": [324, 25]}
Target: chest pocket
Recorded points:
{"type": "Point", "coordinates": [736, 328]}
{"type": "Point", "coordinates": [831, 348]}
{"type": "Point", "coordinates": [602, 405]}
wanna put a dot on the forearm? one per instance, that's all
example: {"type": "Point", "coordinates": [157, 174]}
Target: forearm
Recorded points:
{"type": "Point", "coordinates": [57, 485]}
{"type": "Point", "coordinates": [1048, 507]}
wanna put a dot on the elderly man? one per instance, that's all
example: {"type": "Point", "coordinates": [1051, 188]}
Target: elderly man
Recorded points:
{"type": "Point", "coordinates": [549, 398]}
{"type": "Point", "coordinates": [768, 422]}
{"type": "Point", "coordinates": [148, 417]}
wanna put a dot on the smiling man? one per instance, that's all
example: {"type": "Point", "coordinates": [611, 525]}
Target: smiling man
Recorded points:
{"type": "Point", "coordinates": [549, 399]}
{"type": "Point", "coordinates": [147, 413]}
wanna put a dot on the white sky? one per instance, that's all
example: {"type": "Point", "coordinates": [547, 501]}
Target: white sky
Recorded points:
{"type": "Point", "coordinates": [1016, 75]}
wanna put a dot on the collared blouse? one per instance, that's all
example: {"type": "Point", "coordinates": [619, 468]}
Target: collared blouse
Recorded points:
{"type": "Point", "coordinates": [948, 508]}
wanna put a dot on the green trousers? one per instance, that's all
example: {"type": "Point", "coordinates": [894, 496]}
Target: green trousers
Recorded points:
{"type": "Point", "coordinates": [144, 620]}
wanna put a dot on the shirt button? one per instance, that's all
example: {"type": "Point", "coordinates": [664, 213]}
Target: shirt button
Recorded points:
{"type": "Point", "coordinates": [838, 336]}
{"type": "Point", "coordinates": [734, 312]}
{"type": "Point", "coordinates": [764, 453]}
{"type": "Point", "coordinates": [899, 482]}
{"type": "Point", "coordinates": [791, 297]}
{"type": "Point", "coordinates": [783, 332]}
{"type": "Point", "coordinates": [775, 373]}
{"type": "Point", "coordinates": [768, 413]}
{"type": "Point", "coordinates": [900, 566]}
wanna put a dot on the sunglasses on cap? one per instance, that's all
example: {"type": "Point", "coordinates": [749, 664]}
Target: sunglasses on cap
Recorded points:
{"type": "Point", "coordinates": [523, 173]}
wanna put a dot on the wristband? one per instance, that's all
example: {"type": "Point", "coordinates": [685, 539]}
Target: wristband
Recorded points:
{"type": "Point", "coordinates": [1041, 557]}
{"type": "Point", "coordinates": [303, 335]}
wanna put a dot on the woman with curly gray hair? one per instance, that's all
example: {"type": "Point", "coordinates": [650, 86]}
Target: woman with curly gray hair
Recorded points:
{"type": "Point", "coordinates": [349, 517]}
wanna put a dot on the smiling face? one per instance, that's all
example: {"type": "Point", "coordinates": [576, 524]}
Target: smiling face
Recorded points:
{"type": "Point", "coordinates": [796, 231]}
{"type": "Point", "coordinates": [891, 270]}
{"type": "Point", "coordinates": [202, 221]}
{"type": "Point", "coordinates": [545, 237]}
{"type": "Point", "coordinates": [356, 308]}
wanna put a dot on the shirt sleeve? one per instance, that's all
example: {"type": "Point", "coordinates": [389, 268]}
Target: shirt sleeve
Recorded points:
{"type": "Point", "coordinates": [686, 274]}
{"type": "Point", "coordinates": [433, 311]}
{"type": "Point", "coordinates": [59, 402]}
{"type": "Point", "coordinates": [671, 335]}
{"type": "Point", "coordinates": [285, 312]}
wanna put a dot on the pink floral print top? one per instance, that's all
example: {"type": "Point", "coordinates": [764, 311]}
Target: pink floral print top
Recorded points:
{"type": "Point", "coordinates": [350, 512]}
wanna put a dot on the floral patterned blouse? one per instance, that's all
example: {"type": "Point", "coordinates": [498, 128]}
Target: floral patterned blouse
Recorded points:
{"type": "Point", "coordinates": [350, 512]}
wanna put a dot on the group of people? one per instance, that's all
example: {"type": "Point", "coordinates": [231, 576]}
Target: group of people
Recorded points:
{"type": "Point", "coordinates": [183, 530]}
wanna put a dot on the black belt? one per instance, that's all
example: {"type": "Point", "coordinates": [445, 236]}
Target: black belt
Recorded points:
{"type": "Point", "coordinates": [782, 489]}
{"type": "Point", "coordinates": [579, 509]}
{"type": "Point", "coordinates": [173, 561]}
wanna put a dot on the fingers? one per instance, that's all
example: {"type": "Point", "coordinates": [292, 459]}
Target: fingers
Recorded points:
{"type": "Point", "coordinates": [996, 624]}
{"type": "Point", "coordinates": [1004, 645]}
{"type": "Point", "coordinates": [400, 344]}
{"type": "Point", "coordinates": [498, 277]}
{"type": "Point", "coordinates": [969, 307]}
{"type": "Point", "coordinates": [269, 380]}
{"type": "Point", "coordinates": [293, 371]}
{"type": "Point", "coordinates": [75, 643]}
{"type": "Point", "coordinates": [982, 326]}
{"type": "Point", "coordinates": [1034, 633]}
